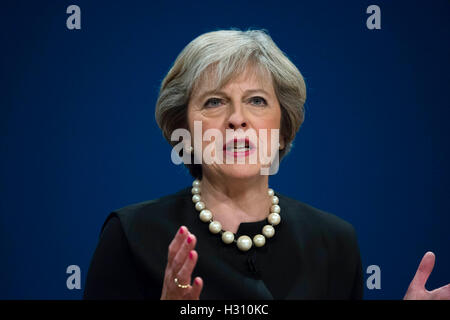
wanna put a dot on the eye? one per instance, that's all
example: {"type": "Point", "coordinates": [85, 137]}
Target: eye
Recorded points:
{"type": "Point", "coordinates": [258, 101]}
{"type": "Point", "coordinates": [213, 102]}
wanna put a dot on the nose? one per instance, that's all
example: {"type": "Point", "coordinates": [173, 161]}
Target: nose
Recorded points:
{"type": "Point", "coordinates": [237, 119]}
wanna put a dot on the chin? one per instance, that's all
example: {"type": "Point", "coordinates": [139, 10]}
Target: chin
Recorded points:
{"type": "Point", "coordinates": [241, 171]}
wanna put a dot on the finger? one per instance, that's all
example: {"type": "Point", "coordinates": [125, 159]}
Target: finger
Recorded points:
{"type": "Point", "coordinates": [442, 293]}
{"type": "Point", "coordinates": [197, 288]}
{"type": "Point", "coordinates": [182, 254]}
{"type": "Point", "coordinates": [423, 271]}
{"type": "Point", "coordinates": [177, 241]}
{"type": "Point", "coordinates": [186, 270]}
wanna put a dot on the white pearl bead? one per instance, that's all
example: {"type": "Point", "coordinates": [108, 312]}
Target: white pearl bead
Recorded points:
{"type": "Point", "coordinates": [274, 219]}
{"type": "Point", "coordinates": [268, 231]}
{"type": "Point", "coordinates": [196, 198]}
{"type": "Point", "coordinates": [215, 227]}
{"type": "Point", "coordinates": [227, 237]}
{"type": "Point", "coordinates": [275, 200]}
{"type": "Point", "coordinates": [275, 208]}
{"type": "Point", "coordinates": [244, 243]}
{"type": "Point", "coordinates": [205, 215]}
{"type": "Point", "coordinates": [200, 206]}
{"type": "Point", "coordinates": [259, 240]}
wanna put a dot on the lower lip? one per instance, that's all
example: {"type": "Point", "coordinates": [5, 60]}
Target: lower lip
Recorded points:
{"type": "Point", "coordinates": [237, 154]}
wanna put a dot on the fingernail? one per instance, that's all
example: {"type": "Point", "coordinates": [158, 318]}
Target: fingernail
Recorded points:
{"type": "Point", "coordinates": [181, 230]}
{"type": "Point", "coordinates": [189, 239]}
{"type": "Point", "coordinates": [197, 282]}
{"type": "Point", "coordinates": [191, 255]}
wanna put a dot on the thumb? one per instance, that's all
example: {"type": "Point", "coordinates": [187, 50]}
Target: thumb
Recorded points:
{"type": "Point", "coordinates": [423, 271]}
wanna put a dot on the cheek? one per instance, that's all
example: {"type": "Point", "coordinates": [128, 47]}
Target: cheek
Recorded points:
{"type": "Point", "coordinates": [206, 124]}
{"type": "Point", "coordinates": [272, 126]}
{"type": "Point", "coordinates": [272, 122]}
{"type": "Point", "coordinates": [270, 119]}
{"type": "Point", "coordinates": [193, 116]}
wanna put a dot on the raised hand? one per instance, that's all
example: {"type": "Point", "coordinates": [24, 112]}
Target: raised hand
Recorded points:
{"type": "Point", "coordinates": [180, 263]}
{"type": "Point", "coordinates": [416, 289]}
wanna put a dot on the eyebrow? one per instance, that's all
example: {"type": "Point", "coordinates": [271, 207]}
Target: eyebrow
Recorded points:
{"type": "Point", "coordinates": [219, 92]}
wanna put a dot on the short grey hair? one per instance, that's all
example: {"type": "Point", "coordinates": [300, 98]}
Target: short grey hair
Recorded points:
{"type": "Point", "coordinates": [227, 53]}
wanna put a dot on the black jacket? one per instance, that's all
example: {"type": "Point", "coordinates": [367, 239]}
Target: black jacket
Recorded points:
{"type": "Point", "coordinates": [313, 255]}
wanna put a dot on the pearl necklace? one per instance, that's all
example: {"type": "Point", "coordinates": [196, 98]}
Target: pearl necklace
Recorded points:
{"type": "Point", "coordinates": [244, 242]}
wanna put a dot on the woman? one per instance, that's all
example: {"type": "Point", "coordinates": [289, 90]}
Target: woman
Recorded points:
{"type": "Point", "coordinates": [229, 236]}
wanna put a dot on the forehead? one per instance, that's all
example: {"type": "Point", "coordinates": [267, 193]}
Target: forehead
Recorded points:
{"type": "Point", "coordinates": [252, 77]}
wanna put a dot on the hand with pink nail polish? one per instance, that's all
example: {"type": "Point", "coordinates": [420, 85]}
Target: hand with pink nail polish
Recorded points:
{"type": "Point", "coordinates": [181, 262]}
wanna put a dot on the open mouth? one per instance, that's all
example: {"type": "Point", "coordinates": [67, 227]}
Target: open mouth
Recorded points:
{"type": "Point", "coordinates": [239, 146]}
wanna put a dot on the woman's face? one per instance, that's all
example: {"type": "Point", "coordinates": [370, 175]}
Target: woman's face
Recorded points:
{"type": "Point", "coordinates": [244, 103]}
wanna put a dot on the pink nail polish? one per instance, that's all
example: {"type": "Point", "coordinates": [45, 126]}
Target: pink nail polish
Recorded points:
{"type": "Point", "coordinates": [181, 230]}
{"type": "Point", "coordinates": [189, 239]}
{"type": "Point", "coordinates": [197, 282]}
{"type": "Point", "coordinates": [191, 255]}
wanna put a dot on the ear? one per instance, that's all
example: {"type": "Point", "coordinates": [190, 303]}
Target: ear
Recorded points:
{"type": "Point", "coordinates": [282, 143]}
{"type": "Point", "coordinates": [188, 149]}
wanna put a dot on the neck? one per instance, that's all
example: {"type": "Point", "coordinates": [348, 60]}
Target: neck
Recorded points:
{"type": "Point", "coordinates": [233, 201]}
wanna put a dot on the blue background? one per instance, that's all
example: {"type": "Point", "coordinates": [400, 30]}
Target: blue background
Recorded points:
{"type": "Point", "coordinates": [78, 136]}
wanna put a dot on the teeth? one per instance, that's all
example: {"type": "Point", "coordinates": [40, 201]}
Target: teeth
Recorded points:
{"type": "Point", "coordinates": [239, 149]}
{"type": "Point", "coordinates": [240, 146]}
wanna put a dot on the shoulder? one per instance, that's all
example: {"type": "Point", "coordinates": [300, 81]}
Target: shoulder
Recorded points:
{"type": "Point", "coordinates": [317, 221]}
{"type": "Point", "coordinates": [155, 211]}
